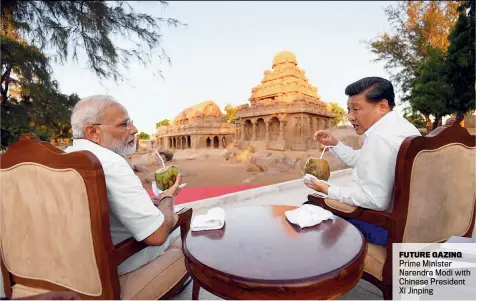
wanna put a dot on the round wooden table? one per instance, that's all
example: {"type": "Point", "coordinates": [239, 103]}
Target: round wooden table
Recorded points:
{"type": "Point", "coordinates": [258, 254]}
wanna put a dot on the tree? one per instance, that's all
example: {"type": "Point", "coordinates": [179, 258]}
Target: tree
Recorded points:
{"type": "Point", "coordinates": [67, 27]}
{"type": "Point", "coordinates": [230, 114]}
{"type": "Point", "coordinates": [340, 114]}
{"type": "Point", "coordinates": [461, 61]}
{"type": "Point", "coordinates": [30, 100]}
{"type": "Point", "coordinates": [143, 135]}
{"type": "Point", "coordinates": [165, 122]}
{"type": "Point", "coordinates": [430, 90]}
{"type": "Point", "coordinates": [417, 25]}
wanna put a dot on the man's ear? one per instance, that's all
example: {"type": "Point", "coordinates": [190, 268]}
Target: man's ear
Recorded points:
{"type": "Point", "coordinates": [92, 133]}
{"type": "Point", "coordinates": [383, 106]}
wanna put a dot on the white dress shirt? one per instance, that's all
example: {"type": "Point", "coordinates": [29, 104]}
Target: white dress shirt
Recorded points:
{"type": "Point", "coordinates": [374, 164]}
{"type": "Point", "coordinates": [131, 211]}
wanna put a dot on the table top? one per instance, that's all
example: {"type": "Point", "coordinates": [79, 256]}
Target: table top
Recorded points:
{"type": "Point", "coordinates": [259, 244]}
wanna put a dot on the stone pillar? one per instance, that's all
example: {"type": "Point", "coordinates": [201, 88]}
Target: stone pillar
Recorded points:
{"type": "Point", "coordinates": [328, 123]}
{"type": "Point", "coordinates": [267, 130]}
{"type": "Point", "coordinates": [301, 126]}
{"type": "Point", "coordinates": [321, 124]}
{"type": "Point", "coordinates": [237, 131]}
{"type": "Point", "coordinates": [315, 125]}
{"type": "Point", "coordinates": [282, 126]}
{"type": "Point", "coordinates": [254, 130]}
{"type": "Point", "coordinates": [242, 131]}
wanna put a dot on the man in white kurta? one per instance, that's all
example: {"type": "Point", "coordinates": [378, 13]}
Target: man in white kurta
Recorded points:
{"type": "Point", "coordinates": [102, 126]}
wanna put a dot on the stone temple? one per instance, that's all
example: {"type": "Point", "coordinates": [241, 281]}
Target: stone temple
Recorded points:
{"type": "Point", "coordinates": [200, 126]}
{"type": "Point", "coordinates": [284, 111]}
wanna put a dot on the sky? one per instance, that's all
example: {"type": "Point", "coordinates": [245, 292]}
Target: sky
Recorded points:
{"type": "Point", "coordinates": [226, 47]}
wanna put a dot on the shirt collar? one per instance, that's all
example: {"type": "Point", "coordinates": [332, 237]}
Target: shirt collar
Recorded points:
{"type": "Point", "coordinates": [381, 122]}
{"type": "Point", "coordinates": [88, 144]}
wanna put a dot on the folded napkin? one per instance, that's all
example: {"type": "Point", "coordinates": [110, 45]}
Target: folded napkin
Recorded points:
{"type": "Point", "coordinates": [157, 191]}
{"type": "Point", "coordinates": [214, 219]}
{"type": "Point", "coordinates": [307, 180]}
{"type": "Point", "coordinates": [308, 215]}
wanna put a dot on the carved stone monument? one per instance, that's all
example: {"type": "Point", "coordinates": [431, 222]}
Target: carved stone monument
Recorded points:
{"type": "Point", "coordinates": [285, 110]}
{"type": "Point", "coordinates": [200, 126]}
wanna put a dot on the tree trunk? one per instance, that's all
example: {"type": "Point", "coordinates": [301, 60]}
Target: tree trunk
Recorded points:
{"type": "Point", "coordinates": [437, 121]}
{"type": "Point", "coordinates": [459, 116]}
{"type": "Point", "coordinates": [5, 81]}
{"type": "Point", "coordinates": [428, 123]}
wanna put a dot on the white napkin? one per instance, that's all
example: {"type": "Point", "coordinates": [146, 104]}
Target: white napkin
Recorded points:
{"type": "Point", "coordinates": [307, 180]}
{"type": "Point", "coordinates": [308, 215]}
{"type": "Point", "coordinates": [157, 191]}
{"type": "Point", "coordinates": [214, 219]}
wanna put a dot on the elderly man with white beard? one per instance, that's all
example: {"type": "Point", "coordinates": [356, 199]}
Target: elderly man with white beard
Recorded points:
{"type": "Point", "coordinates": [102, 126]}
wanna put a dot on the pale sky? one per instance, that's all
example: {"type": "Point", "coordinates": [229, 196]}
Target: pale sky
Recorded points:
{"type": "Point", "coordinates": [226, 47]}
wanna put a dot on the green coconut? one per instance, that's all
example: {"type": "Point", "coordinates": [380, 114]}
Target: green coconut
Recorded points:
{"type": "Point", "coordinates": [318, 167]}
{"type": "Point", "coordinates": [166, 177]}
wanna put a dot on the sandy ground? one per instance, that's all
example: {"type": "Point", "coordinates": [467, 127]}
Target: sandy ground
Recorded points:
{"type": "Point", "coordinates": [216, 171]}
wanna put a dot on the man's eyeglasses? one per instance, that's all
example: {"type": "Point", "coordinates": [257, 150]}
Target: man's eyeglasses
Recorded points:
{"type": "Point", "coordinates": [125, 125]}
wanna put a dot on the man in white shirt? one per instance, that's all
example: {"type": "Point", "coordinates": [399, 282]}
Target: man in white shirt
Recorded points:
{"type": "Point", "coordinates": [370, 111]}
{"type": "Point", "coordinates": [102, 126]}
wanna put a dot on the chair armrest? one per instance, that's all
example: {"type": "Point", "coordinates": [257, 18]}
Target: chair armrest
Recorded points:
{"type": "Point", "coordinates": [379, 218]}
{"type": "Point", "coordinates": [131, 246]}
{"type": "Point", "coordinates": [183, 221]}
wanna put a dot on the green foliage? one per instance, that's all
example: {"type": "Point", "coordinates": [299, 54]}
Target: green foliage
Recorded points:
{"type": "Point", "coordinates": [416, 119]}
{"type": "Point", "coordinates": [165, 122]}
{"type": "Point", "coordinates": [430, 90]}
{"type": "Point", "coordinates": [340, 114]}
{"type": "Point", "coordinates": [67, 27]}
{"type": "Point", "coordinates": [230, 114]}
{"type": "Point", "coordinates": [461, 61]}
{"type": "Point", "coordinates": [144, 136]}
{"type": "Point", "coordinates": [431, 55]}
{"type": "Point", "coordinates": [30, 99]}
{"type": "Point", "coordinates": [416, 26]}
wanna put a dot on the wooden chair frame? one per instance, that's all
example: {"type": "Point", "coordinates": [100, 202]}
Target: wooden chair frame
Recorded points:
{"type": "Point", "coordinates": [395, 221]}
{"type": "Point", "coordinates": [30, 149]}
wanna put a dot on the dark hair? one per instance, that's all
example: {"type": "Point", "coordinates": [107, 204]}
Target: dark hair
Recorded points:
{"type": "Point", "coordinates": [374, 88]}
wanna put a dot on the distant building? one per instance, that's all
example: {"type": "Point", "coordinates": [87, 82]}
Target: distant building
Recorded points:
{"type": "Point", "coordinates": [200, 126]}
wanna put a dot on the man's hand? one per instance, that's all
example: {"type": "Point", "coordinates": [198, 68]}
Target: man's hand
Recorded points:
{"type": "Point", "coordinates": [172, 191]}
{"type": "Point", "coordinates": [318, 186]}
{"type": "Point", "coordinates": [324, 138]}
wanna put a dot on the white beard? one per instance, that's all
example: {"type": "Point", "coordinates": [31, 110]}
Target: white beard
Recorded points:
{"type": "Point", "coordinates": [118, 147]}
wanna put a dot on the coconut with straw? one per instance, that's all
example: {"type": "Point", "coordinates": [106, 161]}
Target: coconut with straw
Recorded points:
{"type": "Point", "coordinates": [318, 167]}
{"type": "Point", "coordinates": [166, 176]}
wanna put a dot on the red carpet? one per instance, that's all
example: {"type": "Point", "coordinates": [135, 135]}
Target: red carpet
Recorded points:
{"type": "Point", "coordinates": [190, 194]}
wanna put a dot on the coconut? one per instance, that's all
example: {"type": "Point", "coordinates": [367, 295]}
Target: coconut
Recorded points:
{"type": "Point", "coordinates": [166, 177]}
{"type": "Point", "coordinates": [318, 167]}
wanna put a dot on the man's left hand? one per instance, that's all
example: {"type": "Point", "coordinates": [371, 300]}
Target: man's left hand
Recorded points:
{"type": "Point", "coordinates": [318, 186]}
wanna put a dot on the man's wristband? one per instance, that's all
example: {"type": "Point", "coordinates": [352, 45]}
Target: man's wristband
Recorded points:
{"type": "Point", "coordinates": [165, 197]}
